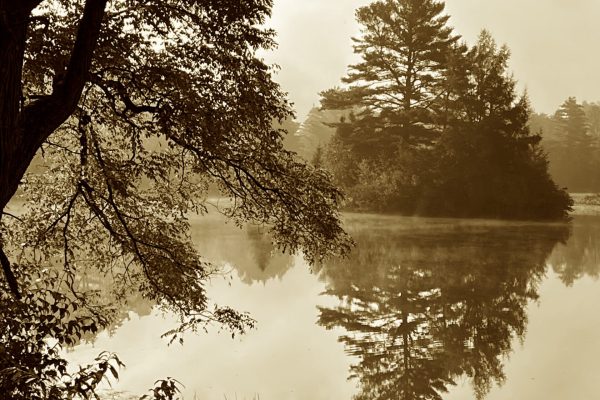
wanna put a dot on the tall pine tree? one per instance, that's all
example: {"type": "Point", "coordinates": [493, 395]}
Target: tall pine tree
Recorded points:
{"type": "Point", "coordinates": [488, 163]}
{"type": "Point", "coordinates": [573, 152]}
{"type": "Point", "coordinates": [394, 91]}
{"type": "Point", "coordinates": [403, 48]}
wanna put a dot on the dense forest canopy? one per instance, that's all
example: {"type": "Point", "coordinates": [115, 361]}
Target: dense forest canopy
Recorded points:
{"type": "Point", "coordinates": [135, 108]}
{"type": "Point", "coordinates": [437, 128]}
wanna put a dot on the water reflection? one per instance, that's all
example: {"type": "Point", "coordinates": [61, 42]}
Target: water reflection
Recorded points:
{"type": "Point", "coordinates": [419, 305]}
{"type": "Point", "coordinates": [425, 303]}
{"type": "Point", "coordinates": [581, 257]}
{"type": "Point", "coordinates": [249, 251]}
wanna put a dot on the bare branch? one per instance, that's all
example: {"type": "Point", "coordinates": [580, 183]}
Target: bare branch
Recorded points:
{"type": "Point", "coordinates": [12, 216]}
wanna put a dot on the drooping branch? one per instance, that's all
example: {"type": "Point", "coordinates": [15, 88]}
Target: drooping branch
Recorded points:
{"type": "Point", "coordinates": [39, 119]}
{"type": "Point", "coordinates": [116, 90]}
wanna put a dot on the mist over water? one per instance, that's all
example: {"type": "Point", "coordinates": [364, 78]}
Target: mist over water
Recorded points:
{"type": "Point", "coordinates": [443, 307]}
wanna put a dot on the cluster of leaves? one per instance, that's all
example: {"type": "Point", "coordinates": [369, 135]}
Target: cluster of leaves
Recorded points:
{"type": "Point", "coordinates": [165, 389]}
{"type": "Point", "coordinates": [36, 330]}
{"type": "Point", "coordinates": [439, 123]}
{"type": "Point", "coordinates": [33, 333]}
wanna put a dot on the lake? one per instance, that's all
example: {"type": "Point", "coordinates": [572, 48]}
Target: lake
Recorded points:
{"type": "Point", "coordinates": [422, 309]}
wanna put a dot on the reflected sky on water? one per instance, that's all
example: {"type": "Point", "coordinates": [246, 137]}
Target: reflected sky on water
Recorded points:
{"type": "Point", "coordinates": [422, 309]}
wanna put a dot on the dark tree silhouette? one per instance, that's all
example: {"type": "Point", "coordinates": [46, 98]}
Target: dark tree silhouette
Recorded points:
{"type": "Point", "coordinates": [394, 91]}
{"type": "Point", "coordinates": [436, 128]}
{"type": "Point", "coordinates": [487, 162]}
{"type": "Point", "coordinates": [134, 109]}
{"type": "Point", "coordinates": [403, 46]}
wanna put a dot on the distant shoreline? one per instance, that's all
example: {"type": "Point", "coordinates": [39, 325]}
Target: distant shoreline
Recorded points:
{"type": "Point", "coordinates": [584, 204]}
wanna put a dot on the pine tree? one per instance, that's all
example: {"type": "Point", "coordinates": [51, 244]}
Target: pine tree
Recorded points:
{"type": "Point", "coordinates": [573, 152]}
{"type": "Point", "coordinates": [573, 120]}
{"type": "Point", "coordinates": [394, 93]}
{"type": "Point", "coordinates": [487, 162]}
{"type": "Point", "coordinates": [403, 46]}
{"type": "Point", "coordinates": [438, 128]}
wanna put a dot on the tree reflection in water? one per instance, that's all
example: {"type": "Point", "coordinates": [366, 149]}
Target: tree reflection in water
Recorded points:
{"type": "Point", "coordinates": [582, 255]}
{"type": "Point", "coordinates": [249, 251]}
{"type": "Point", "coordinates": [423, 304]}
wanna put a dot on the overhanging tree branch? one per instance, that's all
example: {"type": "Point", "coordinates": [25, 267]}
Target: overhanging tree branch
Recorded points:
{"type": "Point", "coordinates": [38, 120]}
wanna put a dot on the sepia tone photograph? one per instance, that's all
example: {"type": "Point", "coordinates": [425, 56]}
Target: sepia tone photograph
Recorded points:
{"type": "Point", "coordinates": [299, 199]}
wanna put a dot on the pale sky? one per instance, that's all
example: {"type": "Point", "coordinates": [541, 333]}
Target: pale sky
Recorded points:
{"type": "Point", "coordinates": [555, 44]}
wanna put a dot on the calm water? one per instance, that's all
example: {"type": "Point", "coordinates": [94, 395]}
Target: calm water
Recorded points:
{"type": "Point", "coordinates": [423, 309]}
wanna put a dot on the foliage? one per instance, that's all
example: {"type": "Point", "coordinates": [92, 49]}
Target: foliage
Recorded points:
{"type": "Point", "coordinates": [403, 46]}
{"type": "Point", "coordinates": [439, 126]}
{"type": "Point", "coordinates": [36, 329]}
{"type": "Point", "coordinates": [313, 133]}
{"type": "Point", "coordinates": [488, 162]}
{"type": "Point", "coordinates": [166, 389]}
{"type": "Point", "coordinates": [592, 114]}
{"type": "Point", "coordinates": [135, 109]}
{"type": "Point", "coordinates": [33, 331]}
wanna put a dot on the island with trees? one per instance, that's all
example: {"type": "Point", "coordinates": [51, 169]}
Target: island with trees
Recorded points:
{"type": "Point", "coordinates": [436, 127]}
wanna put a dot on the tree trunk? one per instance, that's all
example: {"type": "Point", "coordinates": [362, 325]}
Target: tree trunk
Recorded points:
{"type": "Point", "coordinates": [13, 30]}
{"type": "Point", "coordinates": [23, 129]}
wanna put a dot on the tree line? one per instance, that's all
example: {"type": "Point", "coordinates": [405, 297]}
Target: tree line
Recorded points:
{"type": "Point", "coordinates": [435, 127]}
{"type": "Point", "coordinates": [571, 138]}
